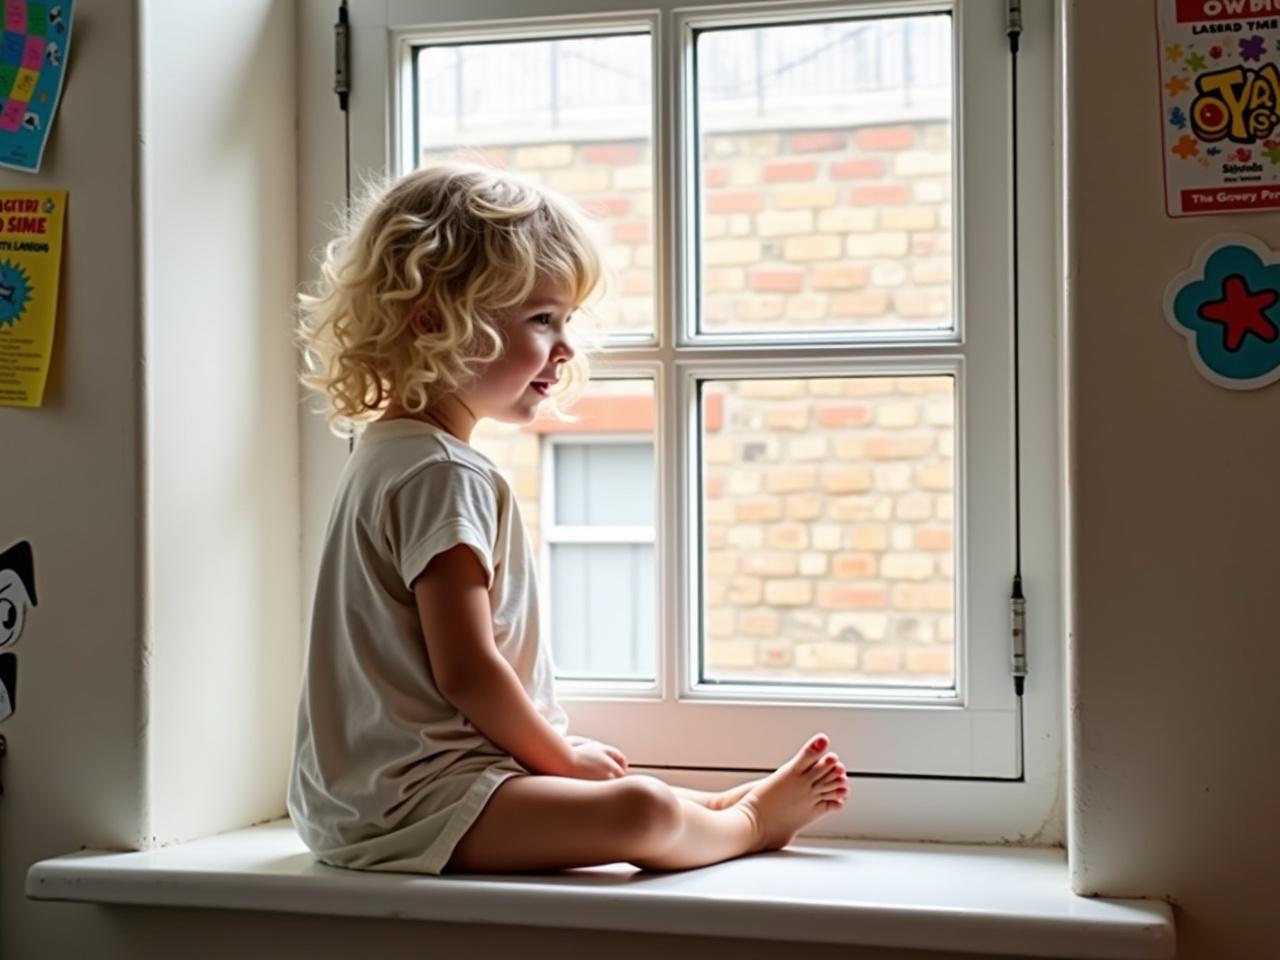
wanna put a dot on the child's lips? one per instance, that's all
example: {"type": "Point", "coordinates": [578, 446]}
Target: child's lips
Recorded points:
{"type": "Point", "coordinates": [541, 387]}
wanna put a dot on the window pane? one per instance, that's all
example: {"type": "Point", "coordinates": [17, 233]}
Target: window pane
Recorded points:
{"type": "Point", "coordinates": [604, 484]}
{"type": "Point", "coordinates": [573, 114]}
{"type": "Point", "coordinates": [602, 610]}
{"type": "Point", "coordinates": [829, 545]}
{"type": "Point", "coordinates": [826, 176]}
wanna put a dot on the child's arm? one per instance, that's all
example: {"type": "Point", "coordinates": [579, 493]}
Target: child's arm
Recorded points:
{"type": "Point", "coordinates": [453, 606]}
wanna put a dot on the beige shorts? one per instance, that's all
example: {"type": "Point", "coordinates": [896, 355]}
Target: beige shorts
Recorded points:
{"type": "Point", "coordinates": [449, 805]}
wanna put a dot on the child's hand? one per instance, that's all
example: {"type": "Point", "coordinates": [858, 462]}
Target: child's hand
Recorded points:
{"type": "Point", "coordinates": [593, 760]}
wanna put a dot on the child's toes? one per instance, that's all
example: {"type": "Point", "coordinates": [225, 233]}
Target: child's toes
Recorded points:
{"type": "Point", "coordinates": [810, 752]}
{"type": "Point", "coordinates": [825, 765]}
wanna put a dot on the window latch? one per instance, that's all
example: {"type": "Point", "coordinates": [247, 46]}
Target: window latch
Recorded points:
{"type": "Point", "coordinates": [1018, 627]}
{"type": "Point", "coordinates": [342, 56]}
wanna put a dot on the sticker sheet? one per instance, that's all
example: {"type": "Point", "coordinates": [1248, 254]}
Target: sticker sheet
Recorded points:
{"type": "Point", "coordinates": [1220, 105]}
{"type": "Point", "coordinates": [30, 258]}
{"type": "Point", "coordinates": [33, 55]}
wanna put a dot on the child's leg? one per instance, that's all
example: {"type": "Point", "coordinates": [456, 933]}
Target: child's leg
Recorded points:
{"type": "Point", "coordinates": [542, 823]}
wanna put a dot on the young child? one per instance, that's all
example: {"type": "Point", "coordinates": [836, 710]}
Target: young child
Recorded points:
{"type": "Point", "coordinates": [429, 736]}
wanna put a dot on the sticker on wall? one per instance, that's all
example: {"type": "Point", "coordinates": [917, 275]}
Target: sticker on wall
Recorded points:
{"type": "Point", "coordinates": [30, 257]}
{"type": "Point", "coordinates": [33, 57]}
{"type": "Point", "coordinates": [1220, 105]}
{"type": "Point", "coordinates": [1227, 305]}
{"type": "Point", "coordinates": [17, 596]}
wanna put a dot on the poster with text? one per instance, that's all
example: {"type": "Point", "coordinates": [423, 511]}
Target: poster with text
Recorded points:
{"type": "Point", "coordinates": [30, 256]}
{"type": "Point", "coordinates": [1220, 105]}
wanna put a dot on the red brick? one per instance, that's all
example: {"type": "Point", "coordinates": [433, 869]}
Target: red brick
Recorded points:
{"type": "Point", "coordinates": [715, 176]}
{"type": "Point", "coordinates": [840, 596]}
{"type": "Point", "coordinates": [715, 486]}
{"type": "Point", "coordinates": [633, 231]}
{"type": "Point", "coordinates": [879, 194]}
{"type": "Point", "coordinates": [885, 138]}
{"type": "Point", "coordinates": [784, 281]}
{"type": "Point", "coordinates": [933, 538]}
{"type": "Point", "coordinates": [740, 201]}
{"type": "Point", "coordinates": [611, 153]}
{"type": "Point", "coordinates": [614, 205]}
{"type": "Point", "coordinates": [852, 566]}
{"type": "Point", "coordinates": [816, 140]}
{"type": "Point", "coordinates": [844, 415]}
{"type": "Point", "coordinates": [790, 170]}
{"type": "Point", "coordinates": [858, 168]}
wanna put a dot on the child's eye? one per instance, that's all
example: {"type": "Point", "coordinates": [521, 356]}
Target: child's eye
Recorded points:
{"type": "Point", "coordinates": [543, 319]}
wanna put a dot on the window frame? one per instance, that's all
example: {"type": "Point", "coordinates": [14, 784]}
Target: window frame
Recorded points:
{"type": "Point", "coordinates": [893, 805]}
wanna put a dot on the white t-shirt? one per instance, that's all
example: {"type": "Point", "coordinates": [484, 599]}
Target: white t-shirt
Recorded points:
{"type": "Point", "coordinates": [387, 774]}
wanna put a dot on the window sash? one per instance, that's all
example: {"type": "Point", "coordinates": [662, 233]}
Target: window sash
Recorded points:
{"type": "Point", "coordinates": [982, 254]}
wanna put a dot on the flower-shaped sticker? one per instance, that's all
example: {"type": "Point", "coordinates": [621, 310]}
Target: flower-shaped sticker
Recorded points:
{"type": "Point", "coordinates": [1227, 305]}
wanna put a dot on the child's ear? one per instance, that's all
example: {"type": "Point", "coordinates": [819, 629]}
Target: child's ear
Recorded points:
{"type": "Point", "coordinates": [421, 321]}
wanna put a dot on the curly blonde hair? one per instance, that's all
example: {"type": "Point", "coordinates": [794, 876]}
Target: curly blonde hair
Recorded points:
{"type": "Point", "coordinates": [409, 293]}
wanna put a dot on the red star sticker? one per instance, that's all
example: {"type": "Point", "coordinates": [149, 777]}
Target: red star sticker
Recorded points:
{"type": "Point", "coordinates": [1240, 311]}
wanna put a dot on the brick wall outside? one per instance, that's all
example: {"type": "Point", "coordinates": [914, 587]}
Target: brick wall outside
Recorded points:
{"type": "Point", "coordinates": [829, 539]}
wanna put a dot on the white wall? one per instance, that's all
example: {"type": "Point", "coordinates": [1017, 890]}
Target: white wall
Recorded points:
{"type": "Point", "coordinates": [1175, 781]}
{"type": "Point", "coordinates": [219, 243]}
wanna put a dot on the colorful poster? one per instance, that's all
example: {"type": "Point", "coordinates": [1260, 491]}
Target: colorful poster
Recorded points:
{"type": "Point", "coordinates": [1220, 105]}
{"type": "Point", "coordinates": [30, 255]}
{"type": "Point", "coordinates": [33, 55]}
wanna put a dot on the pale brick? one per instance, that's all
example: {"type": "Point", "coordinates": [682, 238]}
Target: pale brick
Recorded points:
{"type": "Point", "coordinates": [934, 476]}
{"type": "Point", "coordinates": [789, 170]}
{"type": "Point", "coordinates": [771, 389]}
{"type": "Point", "coordinates": [851, 508]}
{"type": "Point", "coordinates": [718, 450]}
{"type": "Point", "coordinates": [838, 276]}
{"type": "Point", "coordinates": [915, 163]}
{"type": "Point", "coordinates": [788, 593]}
{"type": "Point", "coordinates": [938, 596]}
{"type": "Point", "coordinates": [922, 302]}
{"type": "Point", "coordinates": [742, 482]}
{"type": "Point", "coordinates": [719, 622]}
{"type": "Point", "coordinates": [844, 414]}
{"type": "Point", "coordinates": [946, 443]}
{"type": "Point", "coordinates": [721, 146]}
{"type": "Point", "coordinates": [813, 564]}
{"type": "Point", "coordinates": [637, 177]}
{"type": "Point", "coordinates": [826, 536]}
{"type": "Point", "coordinates": [803, 198]}
{"type": "Point", "coordinates": [848, 220]}
{"type": "Point", "coordinates": [759, 623]}
{"type": "Point", "coordinates": [720, 563]}
{"type": "Point", "coordinates": [947, 566]}
{"type": "Point", "coordinates": [527, 485]}
{"type": "Point", "coordinates": [900, 537]}
{"type": "Point", "coordinates": [858, 626]}
{"type": "Point", "coordinates": [644, 255]}
{"type": "Point", "coordinates": [892, 477]}
{"type": "Point", "coordinates": [539, 157]}
{"type": "Point", "coordinates": [930, 270]}
{"type": "Point", "coordinates": [867, 386]}
{"type": "Point", "coordinates": [724, 280]}
{"type": "Point", "coordinates": [826, 657]}
{"type": "Point", "coordinates": [741, 225]}
{"type": "Point", "coordinates": [932, 189]}
{"type": "Point", "coordinates": [809, 447]}
{"type": "Point", "coordinates": [581, 179]}
{"type": "Point", "coordinates": [722, 253]}
{"type": "Point", "coordinates": [940, 412]}
{"type": "Point", "coordinates": [898, 446]}
{"type": "Point", "coordinates": [787, 536]}
{"type": "Point", "coordinates": [889, 273]}
{"type": "Point", "coordinates": [617, 257]}
{"type": "Point", "coordinates": [785, 479]}
{"type": "Point", "coordinates": [931, 660]}
{"type": "Point", "coordinates": [851, 596]}
{"type": "Point", "coordinates": [776, 654]}
{"type": "Point", "coordinates": [946, 629]}
{"type": "Point", "coordinates": [786, 280]}
{"type": "Point", "coordinates": [868, 303]}
{"type": "Point", "coordinates": [937, 539]}
{"type": "Point", "coordinates": [763, 144]}
{"type": "Point", "coordinates": [897, 414]}
{"type": "Point", "coordinates": [906, 566]}
{"type": "Point", "coordinates": [817, 247]}
{"type": "Point", "coordinates": [744, 536]}
{"type": "Point", "coordinates": [526, 451]}
{"type": "Point", "coordinates": [805, 506]}
{"type": "Point", "coordinates": [846, 479]}
{"type": "Point", "coordinates": [806, 307]}
{"type": "Point", "coordinates": [772, 223]}
{"type": "Point", "coordinates": [744, 591]}
{"type": "Point", "coordinates": [714, 226]}
{"type": "Point", "coordinates": [909, 218]}
{"type": "Point", "coordinates": [732, 654]}
{"type": "Point", "coordinates": [761, 307]}
{"type": "Point", "coordinates": [745, 173]}
{"type": "Point", "coordinates": [853, 566]}
{"type": "Point", "coordinates": [790, 418]}
{"type": "Point", "coordinates": [868, 536]}
{"type": "Point", "coordinates": [825, 388]}
{"type": "Point", "coordinates": [913, 506]}
{"type": "Point", "coordinates": [865, 246]}
{"type": "Point", "coordinates": [881, 660]}
{"type": "Point", "coordinates": [770, 564]}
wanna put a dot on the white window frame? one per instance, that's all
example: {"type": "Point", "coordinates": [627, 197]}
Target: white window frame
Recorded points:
{"type": "Point", "coordinates": [970, 805]}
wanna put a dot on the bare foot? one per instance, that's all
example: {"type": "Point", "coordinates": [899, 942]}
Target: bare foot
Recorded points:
{"type": "Point", "coordinates": [727, 798]}
{"type": "Point", "coordinates": [804, 788]}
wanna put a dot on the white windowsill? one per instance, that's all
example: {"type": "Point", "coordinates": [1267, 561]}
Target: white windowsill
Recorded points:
{"type": "Point", "coordinates": [994, 900]}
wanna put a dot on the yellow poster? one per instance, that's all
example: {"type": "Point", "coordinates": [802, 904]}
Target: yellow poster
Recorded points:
{"type": "Point", "coordinates": [30, 253]}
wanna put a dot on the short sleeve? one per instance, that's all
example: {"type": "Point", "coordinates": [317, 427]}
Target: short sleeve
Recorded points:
{"type": "Point", "coordinates": [438, 507]}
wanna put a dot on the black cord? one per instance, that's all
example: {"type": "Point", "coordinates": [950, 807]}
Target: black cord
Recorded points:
{"type": "Point", "coordinates": [1017, 598]}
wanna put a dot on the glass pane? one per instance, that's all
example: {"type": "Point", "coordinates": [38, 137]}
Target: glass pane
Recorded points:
{"type": "Point", "coordinates": [599, 595]}
{"type": "Point", "coordinates": [828, 540]}
{"type": "Point", "coordinates": [826, 176]}
{"type": "Point", "coordinates": [602, 610]}
{"type": "Point", "coordinates": [574, 114]}
{"type": "Point", "coordinates": [604, 484]}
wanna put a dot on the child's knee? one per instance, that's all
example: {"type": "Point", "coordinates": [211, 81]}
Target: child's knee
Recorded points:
{"type": "Point", "coordinates": [651, 813]}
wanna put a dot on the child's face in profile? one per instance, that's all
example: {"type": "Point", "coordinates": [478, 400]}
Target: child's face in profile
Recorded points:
{"type": "Point", "coordinates": [537, 345]}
